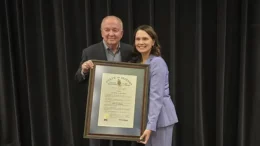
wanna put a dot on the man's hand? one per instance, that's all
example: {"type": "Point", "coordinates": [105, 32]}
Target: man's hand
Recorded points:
{"type": "Point", "coordinates": [86, 66]}
{"type": "Point", "coordinates": [145, 137]}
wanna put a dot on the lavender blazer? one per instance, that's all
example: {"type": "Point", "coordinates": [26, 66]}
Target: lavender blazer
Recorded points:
{"type": "Point", "coordinates": [161, 111]}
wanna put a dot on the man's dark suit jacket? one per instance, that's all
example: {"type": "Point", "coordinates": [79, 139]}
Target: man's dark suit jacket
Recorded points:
{"type": "Point", "coordinates": [97, 52]}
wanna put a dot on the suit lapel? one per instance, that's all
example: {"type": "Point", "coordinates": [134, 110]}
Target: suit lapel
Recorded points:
{"type": "Point", "coordinates": [102, 55]}
{"type": "Point", "coordinates": [124, 54]}
{"type": "Point", "coordinates": [148, 61]}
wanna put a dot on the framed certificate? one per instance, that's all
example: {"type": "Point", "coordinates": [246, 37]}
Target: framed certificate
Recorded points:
{"type": "Point", "coordinates": [117, 101]}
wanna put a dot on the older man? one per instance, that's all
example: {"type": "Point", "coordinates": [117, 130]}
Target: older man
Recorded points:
{"type": "Point", "coordinates": [110, 49]}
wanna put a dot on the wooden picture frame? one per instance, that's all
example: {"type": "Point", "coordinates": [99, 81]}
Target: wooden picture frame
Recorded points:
{"type": "Point", "coordinates": [117, 101]}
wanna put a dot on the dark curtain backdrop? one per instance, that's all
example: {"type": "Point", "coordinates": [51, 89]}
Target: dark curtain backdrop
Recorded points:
{"type": "Point", "coordinates": [212, 49]}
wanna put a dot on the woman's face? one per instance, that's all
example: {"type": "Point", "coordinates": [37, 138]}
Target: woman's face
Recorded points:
{"type": "Point", "coordinates": [143, 42]}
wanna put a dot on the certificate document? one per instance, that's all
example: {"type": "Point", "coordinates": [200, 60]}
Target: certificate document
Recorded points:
{"type": "Point", "coordinates": [117, 100]}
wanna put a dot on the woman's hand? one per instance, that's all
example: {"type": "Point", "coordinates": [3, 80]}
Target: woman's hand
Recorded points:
{"type": "Point", "coordinates": [145, 137]}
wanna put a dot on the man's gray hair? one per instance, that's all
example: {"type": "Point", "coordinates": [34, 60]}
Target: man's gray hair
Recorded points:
{"type": "Point", "coordinates": [111, 16]}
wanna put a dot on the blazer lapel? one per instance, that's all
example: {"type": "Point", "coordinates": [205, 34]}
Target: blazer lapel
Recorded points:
{"type": "Point", "coordinates": [148, 61]}
{"type": "Point", "coordinates": [102, 55]}
{"type": "Point", "coordinates": [123, 53]}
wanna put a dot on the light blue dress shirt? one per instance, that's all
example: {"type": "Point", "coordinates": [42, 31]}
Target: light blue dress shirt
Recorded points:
{"type": "Point", "coordinates": [111, 56]}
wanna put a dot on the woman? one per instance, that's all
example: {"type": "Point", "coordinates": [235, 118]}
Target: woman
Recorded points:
{"type": "Point", "coordinates": [161, 111]}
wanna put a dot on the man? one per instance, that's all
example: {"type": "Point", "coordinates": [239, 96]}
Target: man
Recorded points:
{"type": "Point", "coordinates": [110, 49]}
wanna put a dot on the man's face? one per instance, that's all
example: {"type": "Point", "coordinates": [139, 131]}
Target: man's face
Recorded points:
{"type": "Point", "coordinates": [111, 31]}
